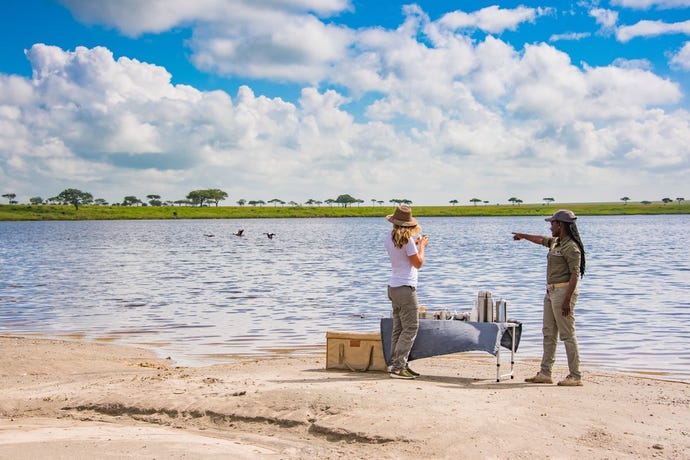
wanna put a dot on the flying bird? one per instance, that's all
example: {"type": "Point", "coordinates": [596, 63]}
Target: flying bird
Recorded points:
{"type": "Point", "coordinates": [239, 232]}
{"type": "Point", "coordinates": [270, 235]}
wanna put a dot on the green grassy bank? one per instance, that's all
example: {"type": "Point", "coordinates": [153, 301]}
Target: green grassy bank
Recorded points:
{"type": "Point", "coordinates": [53, 212]}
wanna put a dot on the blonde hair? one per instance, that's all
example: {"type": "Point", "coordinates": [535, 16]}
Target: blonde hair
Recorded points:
{"type": "Point", "coordinates": [401, 235]}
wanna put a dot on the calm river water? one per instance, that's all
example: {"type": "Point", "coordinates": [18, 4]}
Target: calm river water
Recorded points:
{"type": "Point", "coordinates": [200, 299]}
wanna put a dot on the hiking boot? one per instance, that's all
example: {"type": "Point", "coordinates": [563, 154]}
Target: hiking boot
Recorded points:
{"type": "Point", "coordinates": [401, 374]}
{"type": "Point", "coordinates": [570, 381]}
{"type": "Point", "coordinates": [539, 378]}
{"type": "Point", "coordinates": [414, 374]}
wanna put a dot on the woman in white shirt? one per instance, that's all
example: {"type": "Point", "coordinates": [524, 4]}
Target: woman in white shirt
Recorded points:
{"type": "Point", "coordinates": [405, 246]}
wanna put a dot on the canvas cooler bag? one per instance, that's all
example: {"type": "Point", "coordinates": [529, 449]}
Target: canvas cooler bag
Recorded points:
{"type": "Point", "coordinates": [356, 351]}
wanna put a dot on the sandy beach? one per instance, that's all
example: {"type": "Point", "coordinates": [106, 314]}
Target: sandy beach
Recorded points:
{"type": "Point", "coordinates": [75, 399]}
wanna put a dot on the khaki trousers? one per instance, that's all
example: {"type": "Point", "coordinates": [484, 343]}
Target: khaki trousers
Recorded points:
{"type": "Point", "coordinates": [555, 325]}
{"type": "Point", "coordinates": [405, 323]}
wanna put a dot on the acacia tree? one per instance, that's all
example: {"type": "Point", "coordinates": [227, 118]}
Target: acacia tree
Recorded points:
{"type": "Point", "coordinates": [216, 195]}
{"type": "Point", "coordinates": [10, 197]}
{"type": "Point", "coordinates": [36, 200]}
{"type": "Point", "coordinates": [680, 199]}
{"type": "Point", "coordinates": [548, 200]}
{"type": "Point", "coordinates": [345, 200]}
{"type": "Point", "coordinates": [666, 200]}
{"type": "Point", "coordinates": [475, 201]}
{"type": "Point", "coordinates": [154, 200]}
{"type": "Point", "coordinates": [74, 197]}
{"type": "Point", "coordinates": [625, 200]}
{"type": "Point", "coordinates": [130, 200]}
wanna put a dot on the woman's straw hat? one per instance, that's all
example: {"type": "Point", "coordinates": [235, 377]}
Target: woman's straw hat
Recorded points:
{"type": "Point", "coordinates": [402, 217]}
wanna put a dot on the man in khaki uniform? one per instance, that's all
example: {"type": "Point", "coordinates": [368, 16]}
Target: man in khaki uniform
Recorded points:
{"type": "Point", "coordinates": [565, 265]}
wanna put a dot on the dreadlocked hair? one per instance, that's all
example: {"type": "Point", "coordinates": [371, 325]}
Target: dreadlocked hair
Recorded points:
{"type": "Point", "coordinates": [575, 235]}
{"type": "Point", "coordinates": [401, 235]}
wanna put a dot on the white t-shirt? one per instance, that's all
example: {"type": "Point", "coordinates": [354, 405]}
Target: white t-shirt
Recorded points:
{"type": "Point", "coordinates": [403, 272]}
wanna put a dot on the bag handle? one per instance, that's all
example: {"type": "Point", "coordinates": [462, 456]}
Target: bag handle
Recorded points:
{"type": "Point", "coordinates": [352, 368]}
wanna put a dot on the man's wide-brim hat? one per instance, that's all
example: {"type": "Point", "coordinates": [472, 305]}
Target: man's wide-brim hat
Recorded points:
{"type": "Point", "coordinates": [562, 215]}
{"type": "Point", "coordinates": [402, 217]}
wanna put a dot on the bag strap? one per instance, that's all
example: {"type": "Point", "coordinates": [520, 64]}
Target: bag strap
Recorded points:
{"type": "Point", "coordinates": [352, 368]}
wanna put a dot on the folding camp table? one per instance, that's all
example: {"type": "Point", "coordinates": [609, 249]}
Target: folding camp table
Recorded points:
{"type": "Point", "coordinates": [442, 337]}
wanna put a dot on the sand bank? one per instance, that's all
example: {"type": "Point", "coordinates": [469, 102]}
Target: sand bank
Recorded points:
{"type": "Point", "coordinates": [71, 399]}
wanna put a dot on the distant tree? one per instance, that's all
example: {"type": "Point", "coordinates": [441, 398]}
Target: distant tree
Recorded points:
{"type": "Point", "coordinates": [680, 199]}
{"type": "Point", "coordinates": [36, 200]}
{"type": "Point", "coordinates": [514, 200]}
{"type": "Point", "coordinates": [475, 201]}
{"type": "Point", "coordinates": [130, 200]}
{"type": "Point", "coordinates": [395, 201]}
{"type": "Point", "coordinates": [183, 202]}
{"type": "Point", "coordinates": [548, 200]}
{"type": "Point", "coordinates": [380, 202]}
{"type": "Point", "coordinates": [293, 203]}
{"type": "Point", "coordinates": [74, 197]}
{"type": "Point", "coordinates": [645, 202]}
{"type": "Point", "coordinates": [275, 202]}
{"type": "Point", "coordinates": [215, 195]}
{"type": "Point", "coordinates": [241, 202]}
{"type": "Point", "coordinates": [345, 200]}
{"type": "Point", "coordinates": [197, 197]}
{"type": "Point", "coordinates": [485, 201]}
{"type": "Point", "coordinates": [359, 201]}
{"type": "Point", "coordinates": [453, 202]}
{"type": "Point", "coordinates": [154, 200]}
{"type": "Point", "coordinates": [666, 200]}
{"type": "Point", "coordinates": [625, 200]}
{"type": "Point", "coordinates": [330, 202]}
{"type": "Point", "coordinates": [10, 197]}
{"type": "Point", "coordinates": [100, 202]}
{"type": "Point", "coordinates": [373, 201]}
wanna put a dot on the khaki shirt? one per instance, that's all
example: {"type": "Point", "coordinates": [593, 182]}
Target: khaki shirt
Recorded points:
{"type": "Point", "coordinates": [563, 259]}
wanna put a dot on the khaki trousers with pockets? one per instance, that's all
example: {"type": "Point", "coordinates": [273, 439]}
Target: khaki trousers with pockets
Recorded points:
{"type": "Point", "coordinates": [405, 323]}
{"type": "Point", "coordinates": [555, 325]}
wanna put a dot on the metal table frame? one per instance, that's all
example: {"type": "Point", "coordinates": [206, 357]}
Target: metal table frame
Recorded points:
{"type": "Point", "coordinates": [500, 376]}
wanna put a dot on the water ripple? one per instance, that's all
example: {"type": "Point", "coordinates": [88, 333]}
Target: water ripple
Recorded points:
{"type": "Point", "coordinates": [164, 284]}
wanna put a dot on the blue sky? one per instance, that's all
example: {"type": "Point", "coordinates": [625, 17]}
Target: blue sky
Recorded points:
{"type": "Point", "coordinates": [309, 99]}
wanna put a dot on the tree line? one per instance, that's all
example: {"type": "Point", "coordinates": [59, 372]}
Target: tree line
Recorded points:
{"type": "Point", "coordinates": [206, 197]}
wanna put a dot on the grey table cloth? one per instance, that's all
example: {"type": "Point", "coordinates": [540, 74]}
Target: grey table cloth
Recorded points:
{"type": "Point", "coordinates": [439, 337]}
